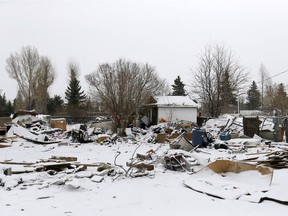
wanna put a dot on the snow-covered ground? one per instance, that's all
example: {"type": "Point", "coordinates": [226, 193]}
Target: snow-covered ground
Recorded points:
{"type": "Point", "coordinates": [162, 192]}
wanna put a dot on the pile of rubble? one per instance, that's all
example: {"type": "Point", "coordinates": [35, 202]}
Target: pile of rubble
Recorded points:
{"type": "Point", "coordinates": [188, 148]}
{"type": "Point", "coordinates": [224, 134]}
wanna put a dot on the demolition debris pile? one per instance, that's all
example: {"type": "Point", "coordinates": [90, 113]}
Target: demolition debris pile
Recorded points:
{"type": "Point", "coordinates": [34, 154]}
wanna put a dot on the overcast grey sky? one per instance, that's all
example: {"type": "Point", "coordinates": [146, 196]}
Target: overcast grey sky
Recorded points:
{"type": "Point", "coordinates": [166, 34]}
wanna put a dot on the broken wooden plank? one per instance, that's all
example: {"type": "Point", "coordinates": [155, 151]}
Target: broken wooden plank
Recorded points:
{"type": "Point", "coordinates": [4, 145]}
{"type": "Point", "coordinates": [52, 166]}
{"type": "Point", "coordinates": [64, 158]}
{"type": "Point", "coordinates": [21, 171]}
{"type": "Point", "coordinates": [141, 166]}
{"type": "Point", "coordinates": [88, 165]}
{"type": "Point", "coordinates": [30, 164]}
{"type": "Point", "coordinates": [16, 163]}
{"type": "Point", "coordinates": [143, 157]}
{"type": "Point", "coordinates": [3, 138]}
{"type": "Point", "coordinates": [262, 153]}
{"type": "Point", "coordinates": [136, 175]}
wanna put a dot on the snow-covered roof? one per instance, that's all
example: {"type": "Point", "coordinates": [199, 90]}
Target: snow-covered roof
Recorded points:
{"type": "Point", "coordinates": [176, 101]}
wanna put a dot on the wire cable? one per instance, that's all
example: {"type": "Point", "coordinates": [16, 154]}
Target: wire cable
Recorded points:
{"type": "Point", "coordinates": [276, 75]}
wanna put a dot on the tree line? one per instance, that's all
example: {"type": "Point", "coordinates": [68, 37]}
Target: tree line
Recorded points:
{"type": "Point", "coordinates": [6, 106]}
{"type": "Point", "coordinates": [219, 84]}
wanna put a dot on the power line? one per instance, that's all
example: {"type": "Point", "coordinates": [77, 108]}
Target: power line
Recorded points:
{"type": "Point", "coordinates": [277, 75]}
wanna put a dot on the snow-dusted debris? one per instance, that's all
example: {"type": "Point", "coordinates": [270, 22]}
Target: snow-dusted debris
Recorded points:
{"type": "Point", "coordinates": [122, 169]}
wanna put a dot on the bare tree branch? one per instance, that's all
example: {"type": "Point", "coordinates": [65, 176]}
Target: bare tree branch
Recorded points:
{"type": "Point", "coordinates": [124, 86]}
{"type": "Point", "coordinates": [215, 64]}
{"type": "Point", "coordinates": [30, 70]}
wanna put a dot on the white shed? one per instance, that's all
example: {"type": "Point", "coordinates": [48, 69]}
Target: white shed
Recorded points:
{"type": "Point", "coordinates": [172, 108]}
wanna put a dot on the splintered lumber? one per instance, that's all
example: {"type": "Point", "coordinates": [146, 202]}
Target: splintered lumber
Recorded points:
{"type": "Point", "coordinates": [3, 139]}
{"type": "Point", "coordinates": [30, 164]}
{"type": "Point", "coordinates": [276, 160]}
{"type": "Point", "coordinates": [262, 153]}
{"type": "Point", "coordinates": [143, 157]}
{"type": "Point", "coordinates": [11, 137]}
{"type": "Point", "coordinates": [21, 171]}
{"type": "Point", "coordinates": [135, 175]}
{"type": "Point", "coordinates": [64, 158]}
{"type": "Point", "coordinates": [9, 171]}
{"type": "Point", "coordinates": [53, 166]}
{"type": "Point", "coordinates": [88, 165]}
{"type": "Point", "coordinates": [39, 166]}
{"type": "Point", "coordinates": [16, 163]}
{"type": "Point", "coordinates": [141, 166]}
{"type": "Point", "coordinates": [4, 145]}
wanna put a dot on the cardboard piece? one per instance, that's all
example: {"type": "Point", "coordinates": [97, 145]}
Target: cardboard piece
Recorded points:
{"type": "Point", "coordinates": [59, 123]}
{"type": "Point", "coordinates": [230, 179]}
{"type": "Point", "coordinates": [161, 138]}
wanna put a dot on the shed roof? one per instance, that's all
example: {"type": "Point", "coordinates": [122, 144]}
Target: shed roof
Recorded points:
{"type": "Point", "coordinates": [176, 101]}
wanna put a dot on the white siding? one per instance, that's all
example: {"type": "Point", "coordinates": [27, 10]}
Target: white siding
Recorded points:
{"type": "Point", "coordinates": [177, 113]}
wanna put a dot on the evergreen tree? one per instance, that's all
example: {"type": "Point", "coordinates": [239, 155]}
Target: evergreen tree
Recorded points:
{"type": "Point", "coordinates": [55, 105]}
{"type": "Point", "coordinates": [178, 87]}
{"type": "Point", "coordinates": [227, 93]}
{"type": "Point", "coordinates": [280, 98]}
{"type": "Point", "coordinates": [73, 93]}
{"type": "Point", "coordinates": [2, 105]}
{"type": "Point", "coordinates": [254, 97]}
{"type": "Point", "coordinates": [6, 108]}
{"type": "Point", "coordinates": [9, 108]}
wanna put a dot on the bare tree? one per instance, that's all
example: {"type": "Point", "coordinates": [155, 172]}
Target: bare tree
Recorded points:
{"type": "Point", "coordinates": [215, 65]}
{"type": "Point", "coordinates": [24, 67]}
{"type": "Point", "coordinates": [265, 82]}
{"type": "Point", "coordinates": [31, 71]}
{"type": "Point", "coordinates": [124, 86]}
{"type": "Point", "coordinates": [272, 95]}
{"type": "Point", "coordinates": [276, 97]}
{"type": "Point", "coordinates": [269, 98]}
{"type": "Point", "coordinates": [45, 79]}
